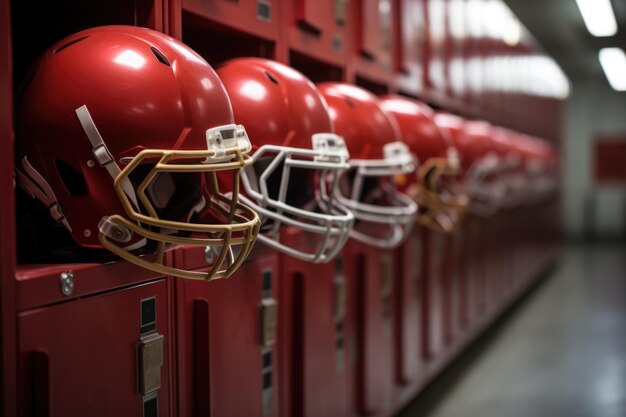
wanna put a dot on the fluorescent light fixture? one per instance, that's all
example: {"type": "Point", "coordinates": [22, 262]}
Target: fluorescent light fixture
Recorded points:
{"type": "Point", "coordinates": [613, 62]}
{"type": "Point", "coordinates": [598, 16]}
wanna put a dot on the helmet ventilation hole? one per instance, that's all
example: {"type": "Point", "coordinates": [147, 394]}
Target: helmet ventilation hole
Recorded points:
{"type": "Point", "coordinates": [70, 43]}
{"type": "Point", "coordinates": [271, 77]}
{"type": "Point", "coordinates": [350, 103]}
{"type": "Point", "coordinates": [159, 56]}
{"type": "Point", "coordinates": [72, 178]}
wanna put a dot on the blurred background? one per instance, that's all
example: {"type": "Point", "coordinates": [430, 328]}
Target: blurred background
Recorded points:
{"type": "Point", "coordinates": [594, 131]}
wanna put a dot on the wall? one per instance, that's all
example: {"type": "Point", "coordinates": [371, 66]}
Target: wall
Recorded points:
{"type": "Point", "coordinates": [591, 210]}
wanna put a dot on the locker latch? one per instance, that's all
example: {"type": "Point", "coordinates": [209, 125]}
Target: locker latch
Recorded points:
{"type": "Point", "coordinates": [150, 354]}
{"type": "Point", "coordinates": [268, 322]}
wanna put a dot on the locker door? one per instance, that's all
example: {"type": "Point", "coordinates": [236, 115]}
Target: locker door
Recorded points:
{"type": "Point", "coordinates": [370, 272]}
{"type": "Point", "coordinates": [105, 355]}
{"type": "Point", "coordinates": [373, 42]}
{"type": "Point", "coordinates": [317, 28]}
{"type": "Point", "coordinates": [227, 355]}
{"type": "Point", "coordinates": [257, 17]}
{"type": "Point", "coordinates": [408, 304]}
{"type": "Point", "coordinates": [410, 27]}
{"type": "Point", "coordinates": [314, 330]}
{"type": "Point", "coordinates": [434, 279]}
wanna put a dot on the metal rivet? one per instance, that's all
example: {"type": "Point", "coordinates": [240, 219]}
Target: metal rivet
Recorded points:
{"type": "Point", "coordinates": [87, 233]}
{"type": "Point", "coordinates": [91, 164]}
{"type": "Point", "coordinates": [67, 283]}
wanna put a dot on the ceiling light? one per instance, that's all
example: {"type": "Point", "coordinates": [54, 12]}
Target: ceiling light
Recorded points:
{"type": "Point", "coordinates": [613, 62]}
{"type": "Point", "coordinates": [598, 16]}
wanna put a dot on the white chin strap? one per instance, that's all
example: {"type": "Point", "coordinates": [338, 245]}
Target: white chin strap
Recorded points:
{"type": "Point", "coordinates": [101, 152]}
{"type": "Point", "coordinates": [36, 185]}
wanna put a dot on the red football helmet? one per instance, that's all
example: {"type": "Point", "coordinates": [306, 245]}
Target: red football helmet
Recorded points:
{"type": "Point", "coordinates": [438, 209]}
{"type": "Point", "coordinates": [114, 131]}
{"type": "Point", "coordinates": [511, 172]}
{"type": "Point", "coordinates": [479, 162]}
{"type": "Point", "coordinates": [297, 159]}
{"type": "Point", "coordinates": [385, 215]}
{"type": "Point", "coordinates": [538, 169]}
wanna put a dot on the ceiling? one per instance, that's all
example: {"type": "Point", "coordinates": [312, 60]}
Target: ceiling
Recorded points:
{"type": "Point", "coordinates": [559, 28]}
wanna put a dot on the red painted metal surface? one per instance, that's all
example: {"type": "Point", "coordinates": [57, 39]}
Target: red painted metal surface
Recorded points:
{"type": "Point", "coordinates": [609, 160]}
{"type": "Point", "coordinates": [317, 29]}
{"type": "Point", "coordinates": [220, 363]}
{"type": "Point", "coordinates": [7, 221]}
{"type": "Point", "coordinates": [371, 54]}
{"type": "Point", "coordinates": [408, 299]}
{"type": "Point", "coordinates": [80, 358]}
{"type": "Point", "coordinates": [314, 334]}
{"type": "Point", "coordinates": [409, 41]}
{"type": "Point", "coordinates": [254, 17]}
{"type": "Point", "coordinates": [370, 274]}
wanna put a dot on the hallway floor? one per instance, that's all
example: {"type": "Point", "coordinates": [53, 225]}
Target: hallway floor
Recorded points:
{"type": "Point", "coordinates": [562, 352]}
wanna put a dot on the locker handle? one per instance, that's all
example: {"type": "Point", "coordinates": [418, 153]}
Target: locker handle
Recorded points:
{"type": "Point", "coordinates": [309, 27]}
{"type": "Point", "coordinates": [367, 55]}
{"type": "Point", "coordinates": [201, 367]}
{"type": "Point", "coordinates": [150, 362]}
{"type": "Point", "coordinates": [39, 396]}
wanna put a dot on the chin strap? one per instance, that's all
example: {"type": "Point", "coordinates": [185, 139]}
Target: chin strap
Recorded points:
{"type": "Point", "coordinates": [36, 185]}
{"type": "Point", "coordinates": [101, 152]}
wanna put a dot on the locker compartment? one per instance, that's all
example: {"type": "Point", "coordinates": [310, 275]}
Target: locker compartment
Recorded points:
{"type": "Point", "coordinates": [227, 355]}
{"type": "Point", "coordinates": [99, 356]}
{"type": "Point", "coordinates": [409, 43]}
{"type": "Point", "coordinates": [455, 53]}
{"type": "Point", "coordinates": [373, 36]}
{"type": "Point", "coordinates": [55, 20]}
{"type": "Point", "coordinates": [217, 42]}
{"type": "Point", "coordinates": [314, 334]}
{"type": "Point", "coordinates": [370, 272]}
{"type": "Point", "coordinates": [436, 73]}
{"type": "Point", "coordinates": [314, 69]}
{"type": "Point", "coordinates": [253, 17]}
{"type": "Point", "coordinates": [408, 303]}
{"type": "Point", "coordinates": [318, 28]}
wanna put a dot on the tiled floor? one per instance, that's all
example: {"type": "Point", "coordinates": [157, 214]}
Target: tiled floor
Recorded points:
{"type": "Point", "coordinates": [560, 353]}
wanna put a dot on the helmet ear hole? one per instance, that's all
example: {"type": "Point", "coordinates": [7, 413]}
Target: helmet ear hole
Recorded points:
{"type": "Point", "coordinates": [72, 178]}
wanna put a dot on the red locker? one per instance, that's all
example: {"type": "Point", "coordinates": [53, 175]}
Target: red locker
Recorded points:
{"type": "Point", "coordinates": [314, 331]}
{"type": "Point", "coordinates": [437, 34]}
{"type": "Point", "coordinates": [370, 274]}
{"type": "Point", "coordinates": [372, 44]}
{"type": "Point", "coordinates": [254, 17]}
{"type": "Point", "coordinates": [7, 220]}
{"type": "Point", "coordinates": [409, 37]}
{"type": "Point", "coordinates": [226, 351]}
{"type": "Point", "coordinates": [318, 29]}
{"type": "Point", "coordinates": [99, 356]}
{"type": "Point", "coordinates": [434, 291]}
{"type": "Point", "coordinates": [408, 299]}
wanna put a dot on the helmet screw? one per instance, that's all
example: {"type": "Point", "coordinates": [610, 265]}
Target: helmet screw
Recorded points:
{"type": "Point", "coordinates": [67, 283]}
{"type": "Point", "coordinates": [87, 233]}
{"type": "Point", "coordinates": [91, 163]}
